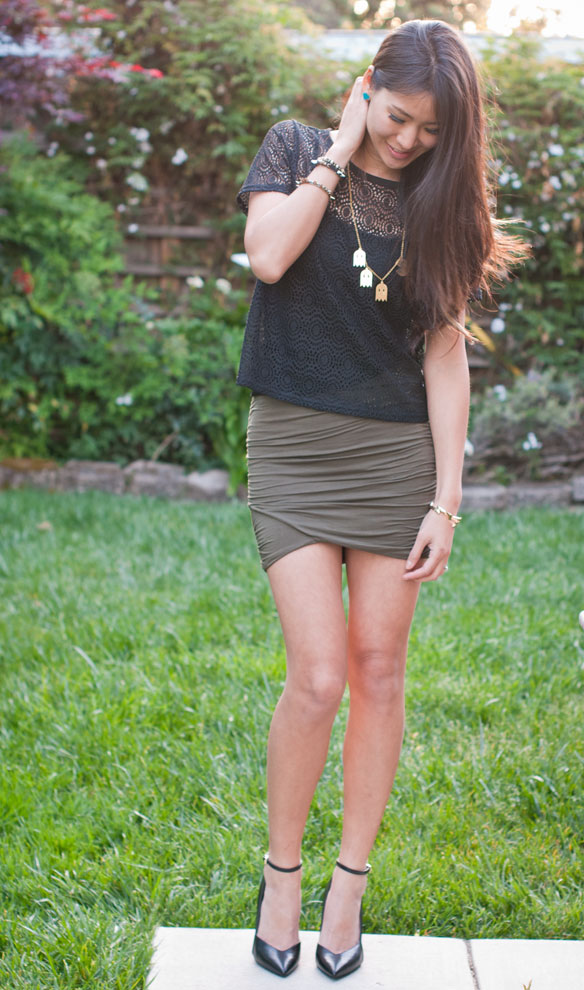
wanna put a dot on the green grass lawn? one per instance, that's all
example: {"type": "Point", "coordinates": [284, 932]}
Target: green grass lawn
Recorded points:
{"type": "Point", "coordinates": [141, 659]}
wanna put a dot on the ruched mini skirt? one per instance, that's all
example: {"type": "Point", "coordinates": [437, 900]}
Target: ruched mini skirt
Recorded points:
{"type": "Point", "coordinates": [322, 477]}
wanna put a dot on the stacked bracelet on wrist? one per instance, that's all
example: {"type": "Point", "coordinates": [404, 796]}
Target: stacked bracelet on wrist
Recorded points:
{"type": "Point", "coordinates": [313, 182]}
{"type": "Point", "coordinates": [329, 163]}
{"type": "Point", "coordinates": [441, 511]}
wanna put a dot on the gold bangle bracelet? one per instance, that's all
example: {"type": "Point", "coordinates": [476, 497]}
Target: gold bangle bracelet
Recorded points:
{"type": "Point", "coordinates": [313, 182]}
{"type": "Point", "coordinates": [441, 511]}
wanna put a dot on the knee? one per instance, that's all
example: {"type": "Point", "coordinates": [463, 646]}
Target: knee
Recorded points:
{"type": "Point", "coordinates": [318, 692]}
{"type": "Point", "coordinates": [378, 676]}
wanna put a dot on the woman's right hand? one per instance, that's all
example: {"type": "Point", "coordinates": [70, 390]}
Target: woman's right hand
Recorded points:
{"type": "Point", "coordinates": [352, 127]}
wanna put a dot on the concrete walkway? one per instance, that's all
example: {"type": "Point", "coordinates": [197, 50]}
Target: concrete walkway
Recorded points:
{"type": "Point", "coordinates": [220, 959]}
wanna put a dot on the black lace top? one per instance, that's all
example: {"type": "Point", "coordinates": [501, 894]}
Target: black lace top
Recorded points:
{"type": "Point", "coordinates": [316, 338]}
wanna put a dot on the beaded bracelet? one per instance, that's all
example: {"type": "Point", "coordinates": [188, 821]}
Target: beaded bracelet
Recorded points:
{"type": "Point", "coordinates": [441, 511]}
{"type": "Point", "coordinates": [313, 182]}
{"type": "Point", "coordinates": [329, 163]}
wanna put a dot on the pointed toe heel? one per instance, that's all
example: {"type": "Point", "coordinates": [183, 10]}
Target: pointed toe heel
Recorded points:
{"type": "Point", "coordinates": [281, 962]}
{"type": "Point", "coordinates": [336, 965]}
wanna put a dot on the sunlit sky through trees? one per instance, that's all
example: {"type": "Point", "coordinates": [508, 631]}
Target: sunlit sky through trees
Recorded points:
{"type": "Point", "coordinates": [554, 18]}
{"type": "Point", "coordinates": [564, 17]}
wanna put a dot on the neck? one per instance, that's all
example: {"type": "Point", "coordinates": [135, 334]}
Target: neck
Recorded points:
{"type": "Point", "coordinates": [366, 159]}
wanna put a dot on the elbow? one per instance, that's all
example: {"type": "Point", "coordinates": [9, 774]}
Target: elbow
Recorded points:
{"type": "Point", "coordinates": [264, 264]}
{"type": "Point", "coordinates": [265, 268]}
{"type": "Point", "coordinates": [266, 273]}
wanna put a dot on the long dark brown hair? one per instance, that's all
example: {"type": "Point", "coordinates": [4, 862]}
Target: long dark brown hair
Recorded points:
{"type": "Point", "coordinates": [455, 247]}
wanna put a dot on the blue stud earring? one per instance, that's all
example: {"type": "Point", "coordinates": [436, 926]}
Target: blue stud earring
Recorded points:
{"type": "Point", "coordinates": [366, 96]}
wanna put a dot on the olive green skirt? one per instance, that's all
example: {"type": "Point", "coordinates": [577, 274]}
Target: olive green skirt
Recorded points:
{"type": "Point", "coordinates": [322, 477]}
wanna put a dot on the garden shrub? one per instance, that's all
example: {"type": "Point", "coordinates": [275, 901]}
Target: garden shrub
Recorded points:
{"type": "Point", "coordinates": [86, 369]}
{"type": "Point", "coordinates": [531, 430]}
{"type": "Point", "coordinates": [540, 165]}
{"type": "Point", "coordinates": [179, 145]}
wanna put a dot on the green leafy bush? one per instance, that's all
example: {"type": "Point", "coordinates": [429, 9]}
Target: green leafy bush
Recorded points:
{"type": "Point", "coordinates": [533, 429]}
{"type": "Point", "coordinates": [177, 146]}
{"type": "Point", "coordinates": [540, 164]}
{"type": "Point", "coordinates": [87, 370]}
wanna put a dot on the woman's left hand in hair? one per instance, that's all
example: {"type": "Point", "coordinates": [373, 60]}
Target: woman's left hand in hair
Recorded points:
{"type": "Point", "coordinates": [436, 533]}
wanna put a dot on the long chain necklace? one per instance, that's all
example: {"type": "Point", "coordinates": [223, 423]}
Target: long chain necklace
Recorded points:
{"type": "Point", "coordinates": [360, 258]}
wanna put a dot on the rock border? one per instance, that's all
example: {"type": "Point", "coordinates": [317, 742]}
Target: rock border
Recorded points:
{"type": "Point", "coordinates": [162, 480]}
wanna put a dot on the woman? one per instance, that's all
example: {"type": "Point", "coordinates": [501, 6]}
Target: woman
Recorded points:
{"type": "Point", "coordinates": [367, 242]}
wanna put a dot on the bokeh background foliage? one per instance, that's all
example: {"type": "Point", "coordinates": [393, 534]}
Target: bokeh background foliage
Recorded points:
{"type": "Point", "coordinates": [158, 123]}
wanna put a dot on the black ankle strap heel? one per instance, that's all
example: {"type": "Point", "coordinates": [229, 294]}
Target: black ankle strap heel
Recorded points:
{"type": "Point", "coordinates": [357, 873]}
{"type": "Point", "coordinates": [336, 965]}
{"type": "Point", "coordinates": [281, 962]}
{"type": "Point", "coordinates": [284, 869]}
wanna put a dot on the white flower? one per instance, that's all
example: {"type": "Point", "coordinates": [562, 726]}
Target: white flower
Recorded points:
{"type": "Point", "coordinates": [145, 147]}
{"type": "Point", "coordinates": [140, 133]}
{"type": "Point", "coordinates": [468, 447]}
{"type": "Point", "coordinates": [134, 200]}
{"type": "Point", "coordinates": [555, 149]}
{"type": "Point", "coordinates": [284, 107]}
{"type": "Point", "coordinates": [223, 285]}
{"type": "Point", "coordinates": [112, 140]}
{"type": "Point", "coordinates": [120, 34]}
{"type": "Point", "coordinates": [165, 126]}
{"type": "Point", "coordinates": [138, 162]}
{"type": "Point", "coordinates": [532, 443]}
{"type": "Point", "coordinates": [544, 227]}
{"type": "Point", "coordinates": [88, 135]}
{"type": "Point", "coordinates": [218, 108]}
{"type": "Point", "coordinates": [516, 184]}
{"type": "Point", "coordinates": [555, 181]}
{"type": "Point", "coordinates": [52, 149]}
{"type": "Point", "coordinates": [101, 163]}
{"type": "Point", "coordinates": [497, 325]}
{"type": "Point", "coordinates": [137, 182]}
{"type": "Point", "coordinates": [560, 342]}
{"type": "Point", "coordinates": [195, 282]}
{"type": "Point", "coordinates": [132, 228]}
{"type": "Point", "coordinates": [518, 306]}
{"type": "Point", "coordinates": [124, 400]}
{"type": "Point", "coordinates": [179, 156]}
{"type": "Point", "coordinates": [121, 207]}
{"type": "Point", "coordinates": [150, 324]}
{"type": "Point", "coordinates": [500, 391]}
{"type": "Point", "coordinates": [90, 150]}
{"type": "Point", "coordinates": [504, 178]}
{"type": "Point", "coordinates": [505, 307]}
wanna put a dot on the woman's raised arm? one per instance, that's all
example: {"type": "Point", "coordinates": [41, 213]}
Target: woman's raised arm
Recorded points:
{"type": "Point", "coordinates": [279, 227]}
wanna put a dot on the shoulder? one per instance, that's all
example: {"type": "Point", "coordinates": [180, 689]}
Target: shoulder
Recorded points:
{"type": "Point", "coordinates": [296, 136]}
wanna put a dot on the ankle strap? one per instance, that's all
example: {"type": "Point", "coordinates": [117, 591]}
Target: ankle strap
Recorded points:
{"type": "Point", "coordinates": [357, 873]}
{"type": "Point", "coordinates": [282, 869]}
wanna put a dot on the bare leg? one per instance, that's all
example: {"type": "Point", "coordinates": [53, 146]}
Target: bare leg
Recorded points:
{"type": "Point", "coordinates": [307, 589]}
{"type": "Point", "coordinates": [381, 607]}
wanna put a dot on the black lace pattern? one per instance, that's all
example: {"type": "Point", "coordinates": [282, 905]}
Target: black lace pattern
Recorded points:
{"type": "Point", "coordinates": [316, 338]}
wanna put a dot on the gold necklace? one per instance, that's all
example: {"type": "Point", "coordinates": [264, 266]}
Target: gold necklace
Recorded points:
{"type": "Point", "coordinates": [360, 258]}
